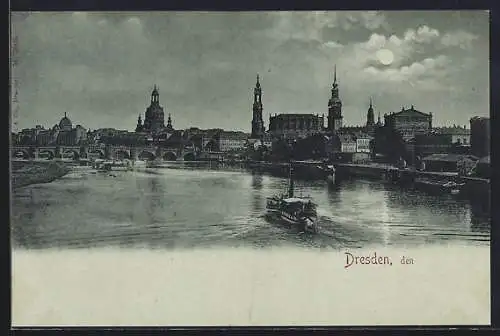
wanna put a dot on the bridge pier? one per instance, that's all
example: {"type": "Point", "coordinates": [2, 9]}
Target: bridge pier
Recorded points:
{"type": "Point", "coordinates": [134, 154]}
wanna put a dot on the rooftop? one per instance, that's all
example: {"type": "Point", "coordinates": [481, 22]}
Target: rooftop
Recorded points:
{"type": "Point", "coordinates": [409, 112]}
{"type": "Point", "coordinates": [295, 115]}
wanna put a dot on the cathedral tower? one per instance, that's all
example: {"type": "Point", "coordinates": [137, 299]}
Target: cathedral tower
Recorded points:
{"type": "Point", "coordinates": [334, 107]}
{"type": "Point", "coordinates": [257, 122]}
{"type": "Point", "coordinates": [370, 116]}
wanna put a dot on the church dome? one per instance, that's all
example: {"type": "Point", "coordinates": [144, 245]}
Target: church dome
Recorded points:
{"type": "Point", "coordinates": [65, 123]}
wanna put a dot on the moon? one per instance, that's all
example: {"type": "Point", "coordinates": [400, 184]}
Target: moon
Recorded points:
{"type": "Point", "coordinates": [385, 56]}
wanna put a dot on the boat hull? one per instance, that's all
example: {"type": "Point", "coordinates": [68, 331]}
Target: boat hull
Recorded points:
{"type": "Point", "coordinates": [302, 224]}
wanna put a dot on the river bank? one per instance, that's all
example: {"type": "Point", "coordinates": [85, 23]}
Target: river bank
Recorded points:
{"type": "Point", "coordinates": [25, 173]}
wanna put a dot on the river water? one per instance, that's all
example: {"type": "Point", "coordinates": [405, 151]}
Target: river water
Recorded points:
{"type": "Point", "coordinates": [195, 207]}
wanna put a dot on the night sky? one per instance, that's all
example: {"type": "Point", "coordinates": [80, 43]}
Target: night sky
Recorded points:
{"type": "Point", "coordinates": [100, 68]}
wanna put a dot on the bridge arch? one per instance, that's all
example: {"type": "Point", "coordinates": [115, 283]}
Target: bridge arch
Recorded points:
{"type": "Point", "coordinates": [46, 152]}
{"type": "Point", "coordinates": [169, 156]}
{"type": "Point", "coordinates": [21, 152]}
{"type": "Point", "coordinates": [146, 156]}
{"type": "Point", "coordinates": [98, 151]}
{"type": "Point", "coordinates": [122, 154]}
{"type": "Point", "coordinates": [189, 156]}
{"type": "Point", "coordinates": [75, 154]}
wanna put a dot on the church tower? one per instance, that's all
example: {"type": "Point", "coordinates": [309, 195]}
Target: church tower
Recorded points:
{"type": "Point", "coordinates": [139, 126]}
{"type": "Point", "coordinates": [334, 107]}
{"type": "Point", "coordinates": [257, 122]}
{"type": "Point", "coordinates": [370, 116]}
{"type": "Point", "coordinates": [169, 123]}
{"type": "Point", "coordinates": [154, 119]}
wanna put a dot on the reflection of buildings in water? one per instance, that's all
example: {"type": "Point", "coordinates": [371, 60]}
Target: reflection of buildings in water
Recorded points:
{"type": "Point", "coordinates": [150, 191]}
{"type": "Point", "coordinates": [384, 219]}
{"type": "Point", "coordinates": [257, 202]}
{"type": "Point", "coordinates": [334, 192]}
{"type": "Point", "coordinates": [257, 198]}
{"type": "Point", "coordinates": [408, 198]}
{"type": "Point", "coordinates": [277, 185]}
{"type": "Point", "coordinates": [154, 184]}
{"type": "Point", "coordinates": [257, 180]}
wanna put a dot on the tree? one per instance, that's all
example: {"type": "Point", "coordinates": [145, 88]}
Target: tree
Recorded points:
{"type": "Point", "coordinates": [281, 150]}
{"type": "Point", "coordinates": [390, 143]}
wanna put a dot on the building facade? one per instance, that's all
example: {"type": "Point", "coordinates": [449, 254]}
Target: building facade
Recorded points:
{"type": "Point", "coordinates": [480, 136]}
{"type": "Point", "coordinates": [266, 140]}
{"type": "Point", "coordinates": [432, 143]}
{"type": "Point", "coordinates": [363, 143]}
{"type": "Point", "coordinates": [232, 141]}
{"type": "Point", "coordinates": [409, 122]}
{"type": "Point", "coordinates": [347, 143]}
{"type": "Point", "coordinates": [295, 126]}
{"type": "Point", "coordinates": [258, 128]}
{"type": "Point", "coordinates": [334, 107]}
{"type": "Point", "coordinates": [456, 134]}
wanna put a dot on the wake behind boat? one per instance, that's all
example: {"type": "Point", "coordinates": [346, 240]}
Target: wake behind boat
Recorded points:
{"type": "Point", "coordinates": [298, 211]}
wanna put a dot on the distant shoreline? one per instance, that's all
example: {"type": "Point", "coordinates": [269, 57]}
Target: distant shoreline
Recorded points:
{"type": "Point", "coordinates": [25, 173]}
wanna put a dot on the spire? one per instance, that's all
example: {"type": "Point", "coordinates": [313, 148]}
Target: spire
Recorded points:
{"type": "Point", "coordinates": [257, 122]}
{"type": "Point", "coordinates": [155, 96]}
{"type": "Point", "coordinates": [257, 91]}
{"type": "Point", "coordinates": [139, 126]}
{"type": "Point", "coordinates": [65, 116]}
{"type": "Point", "coordinates": [371, 103]}
{"type": "Point", "coordinates": [169, 122]}
{"type": "Point", "coordinates": [335, 74]}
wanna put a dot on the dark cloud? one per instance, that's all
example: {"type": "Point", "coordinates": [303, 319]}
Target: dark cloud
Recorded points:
{"type": "Point", "coordinates": [100, 67]}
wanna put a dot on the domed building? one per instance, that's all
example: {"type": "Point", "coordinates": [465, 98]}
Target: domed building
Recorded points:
{"type": "Point", "coordinates": [154, 116]}
{"type": "Point", "coordinates": [65, 124]}
{"type": "Point", "coordinates": [65, 134]}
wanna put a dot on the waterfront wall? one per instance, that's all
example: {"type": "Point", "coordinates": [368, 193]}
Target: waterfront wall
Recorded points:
{"type": "Point", "coordinates": [474, 187]}
{"type": "Point", "coordinates": [301, 169]}
{"type": "Point", "coordinates": [24, 173]}
{"type": "Point", "coordinates": [373, 171]}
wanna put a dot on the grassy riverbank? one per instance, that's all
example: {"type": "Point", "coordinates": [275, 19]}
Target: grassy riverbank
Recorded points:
{"type": "Point", "coordinates": [25, 173]}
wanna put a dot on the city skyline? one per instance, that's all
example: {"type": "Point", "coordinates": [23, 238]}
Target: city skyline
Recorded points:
{"type": "Point", "coordinates": [100, 68]}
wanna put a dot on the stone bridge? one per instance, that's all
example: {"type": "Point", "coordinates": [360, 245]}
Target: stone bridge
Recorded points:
{"type": "Point", "coordinates": [147, 153]}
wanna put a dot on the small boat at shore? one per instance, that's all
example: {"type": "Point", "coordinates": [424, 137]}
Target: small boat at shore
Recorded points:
{"type": "Point", "coordinates": [297, 211]}
{"type": "Point", "coordinates": [103, 166]}
{"type": "Point", "coordinates": [438, 187]}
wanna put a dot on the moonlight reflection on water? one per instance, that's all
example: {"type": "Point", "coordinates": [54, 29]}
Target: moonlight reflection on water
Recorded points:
{"type": "Point", "coordinates": [187, 208]}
